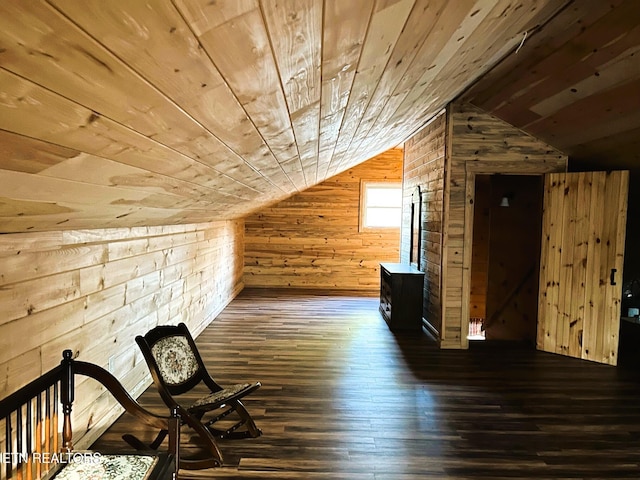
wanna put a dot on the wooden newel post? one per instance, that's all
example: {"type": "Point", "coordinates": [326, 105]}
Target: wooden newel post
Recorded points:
{"type": "Point", "coordinates": [67, 397]}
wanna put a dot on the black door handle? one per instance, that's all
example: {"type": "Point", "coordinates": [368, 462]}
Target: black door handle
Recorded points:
{"type": "Point", "coordinates": [613, 276]}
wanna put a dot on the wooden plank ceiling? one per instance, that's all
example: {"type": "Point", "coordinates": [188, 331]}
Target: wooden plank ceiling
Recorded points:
{"type": "Point", "coordinates": [143, 112]}
{"type": "Point", "coordinates": [576, 84]}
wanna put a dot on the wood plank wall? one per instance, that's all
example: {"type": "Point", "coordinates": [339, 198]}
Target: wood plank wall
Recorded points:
{"type": "Point", "coordinates": [482, 143]}
{"type": "Point", "coordinates": [424, 167]}
{"type": "Point", "coordinates": [311, 240]}
{"type": "Point", "coordinates": [93, 291]}
{"type": "Point", "coordinates": [437, 158]}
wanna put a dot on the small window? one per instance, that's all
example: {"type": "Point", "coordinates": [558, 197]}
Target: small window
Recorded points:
{"type": "Point", "coordinates": [380, 205]}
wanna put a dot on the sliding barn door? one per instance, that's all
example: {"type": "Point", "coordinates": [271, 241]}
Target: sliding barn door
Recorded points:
{"type": "Point", "coordinates": [583, 231]}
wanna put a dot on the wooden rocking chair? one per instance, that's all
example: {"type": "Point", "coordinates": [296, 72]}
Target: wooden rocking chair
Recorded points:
{"type": "Point", "coordinates": [177, 368]}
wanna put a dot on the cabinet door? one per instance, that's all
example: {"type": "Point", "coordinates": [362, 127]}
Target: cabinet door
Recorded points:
{"type": "Point", "coordinates": [583, 232]}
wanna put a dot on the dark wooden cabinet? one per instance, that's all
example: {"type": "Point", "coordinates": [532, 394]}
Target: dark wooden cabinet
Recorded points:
{"type": "Point", "coordinates": [401, 287]}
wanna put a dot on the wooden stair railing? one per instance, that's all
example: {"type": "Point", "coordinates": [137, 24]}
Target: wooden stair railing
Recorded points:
{"type": "Point", "coordinates": [30, 442]}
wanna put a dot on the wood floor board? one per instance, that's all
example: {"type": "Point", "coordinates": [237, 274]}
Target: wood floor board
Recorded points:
{"type": "Point", "coordinates": [345, 398]}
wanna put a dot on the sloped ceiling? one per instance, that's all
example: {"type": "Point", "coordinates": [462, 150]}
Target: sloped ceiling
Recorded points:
{"type": "Point", "coordinates": [575, 85]}
{"type": "Point", "coordinates": [142, 112]}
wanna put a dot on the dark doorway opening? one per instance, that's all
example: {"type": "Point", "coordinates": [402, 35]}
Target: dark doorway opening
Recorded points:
{"type": "Point", "coordinates": [505, 259]}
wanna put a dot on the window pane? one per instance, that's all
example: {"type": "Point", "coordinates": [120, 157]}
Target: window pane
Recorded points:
{"type": "Point", "coordinates": [383, 197]}
{"type": "Point", "coordinates": [382, 205]}
{"type": "Point", "coordinates": [383, 217]}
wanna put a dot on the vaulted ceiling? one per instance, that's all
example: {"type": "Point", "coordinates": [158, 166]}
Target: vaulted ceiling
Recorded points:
{"type": "Point", "coordinates": [144, 112]}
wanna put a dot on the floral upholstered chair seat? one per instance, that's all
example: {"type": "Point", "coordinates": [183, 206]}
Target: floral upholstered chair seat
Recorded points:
{"type": "Point", "coordinates": [110, 467]}
{"type": "Point", "coordinates": [219, 397]}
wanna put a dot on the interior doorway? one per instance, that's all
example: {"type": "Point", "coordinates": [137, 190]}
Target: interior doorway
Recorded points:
{"type": "Point", "coordinates": [505, 258]}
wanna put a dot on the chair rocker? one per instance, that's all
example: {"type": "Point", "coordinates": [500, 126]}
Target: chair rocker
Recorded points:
{"type": "Point", "coordinates": [177, 368]}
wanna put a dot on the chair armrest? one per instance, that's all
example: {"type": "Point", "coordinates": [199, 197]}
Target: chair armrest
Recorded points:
{"type": "Point", "coordinates": [116, 389]}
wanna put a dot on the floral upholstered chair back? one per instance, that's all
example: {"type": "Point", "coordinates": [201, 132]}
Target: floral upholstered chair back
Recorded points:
{"type": "Point", "coordinates": [176, 360]}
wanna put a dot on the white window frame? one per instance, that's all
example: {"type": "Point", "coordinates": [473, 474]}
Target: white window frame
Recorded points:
{"type": "Point", "coordinates": [364, 184]}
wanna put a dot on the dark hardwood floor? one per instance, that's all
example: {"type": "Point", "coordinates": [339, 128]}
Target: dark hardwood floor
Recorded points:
{"type": "Point", "coordinates": [344, 398]}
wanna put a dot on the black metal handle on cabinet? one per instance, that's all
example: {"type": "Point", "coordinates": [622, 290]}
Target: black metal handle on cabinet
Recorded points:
{"type": "Point", "coordinates": [613, 276]}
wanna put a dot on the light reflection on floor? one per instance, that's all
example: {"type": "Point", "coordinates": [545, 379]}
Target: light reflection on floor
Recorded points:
{"type": "Point", "coordinates": [375, 379]}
